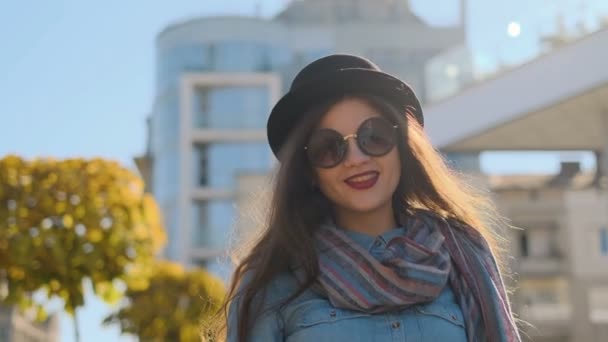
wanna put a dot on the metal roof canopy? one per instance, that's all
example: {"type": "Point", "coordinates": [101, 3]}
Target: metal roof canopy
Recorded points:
{"type": "Point", "coordinates": [556, 102]}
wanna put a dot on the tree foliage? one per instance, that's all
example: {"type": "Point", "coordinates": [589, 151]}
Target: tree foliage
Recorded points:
{"type": "Point", "coordinates": [64, 221]}
{"type": "Point", "coordinates": [173, 307]}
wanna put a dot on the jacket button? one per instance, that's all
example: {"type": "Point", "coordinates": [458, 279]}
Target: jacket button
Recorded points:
{"type": "Point", "coordinates": [396, 325]}
{"type": "Point", "coordinates": [332, 313]}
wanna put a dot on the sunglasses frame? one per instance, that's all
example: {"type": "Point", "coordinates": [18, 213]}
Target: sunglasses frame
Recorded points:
{"type": "Point", "coordinates": [355, 136]}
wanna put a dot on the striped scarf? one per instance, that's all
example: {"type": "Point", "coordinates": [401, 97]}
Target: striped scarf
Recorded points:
{"type": "Point", "coordinates": [413, 269]}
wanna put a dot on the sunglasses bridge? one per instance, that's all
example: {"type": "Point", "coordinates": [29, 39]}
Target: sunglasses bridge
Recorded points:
{"type": "Point", "coordinates": [346, 137]}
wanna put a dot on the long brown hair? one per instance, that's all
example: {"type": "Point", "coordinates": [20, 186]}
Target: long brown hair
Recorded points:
{"type": "Point", "coordinates": [297, 208]}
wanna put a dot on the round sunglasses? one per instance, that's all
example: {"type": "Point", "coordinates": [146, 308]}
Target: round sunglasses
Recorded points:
{"type": "Point", "coordinates": [327, 148]}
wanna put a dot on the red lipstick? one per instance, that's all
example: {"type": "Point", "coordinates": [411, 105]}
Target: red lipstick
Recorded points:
{"type": "Point", "coordinates": [363, 181]}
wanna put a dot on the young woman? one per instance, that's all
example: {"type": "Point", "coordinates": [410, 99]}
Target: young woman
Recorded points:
{"type": "Point", "coordinates": [370, 237]}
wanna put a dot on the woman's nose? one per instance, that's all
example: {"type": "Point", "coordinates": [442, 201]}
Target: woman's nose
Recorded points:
{"type": "Point", "coordinates": [354, 155]}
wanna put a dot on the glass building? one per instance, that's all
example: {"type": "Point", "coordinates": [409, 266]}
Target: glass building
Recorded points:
{"type": "Point", "coordinates": [208, 123]}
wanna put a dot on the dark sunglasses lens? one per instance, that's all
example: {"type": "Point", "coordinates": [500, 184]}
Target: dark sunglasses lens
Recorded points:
{"type": "Point", "coordinates": [326, 148]}
{"type": "Point", "coordinates": [376, 136]}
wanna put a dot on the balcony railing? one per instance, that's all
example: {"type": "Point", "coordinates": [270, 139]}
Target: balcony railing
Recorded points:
{"type": "Point", "coordinates": [546, 313]}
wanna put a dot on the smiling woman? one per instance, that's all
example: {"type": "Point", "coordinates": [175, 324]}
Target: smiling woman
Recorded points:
{"type": "Point", "coordinates": [358, 178]}
{"type": "Point", "coordinates": [370, 235]}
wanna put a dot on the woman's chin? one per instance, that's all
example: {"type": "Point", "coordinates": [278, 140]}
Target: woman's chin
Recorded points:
{"type": "Point", "coordinates": [363, 208]}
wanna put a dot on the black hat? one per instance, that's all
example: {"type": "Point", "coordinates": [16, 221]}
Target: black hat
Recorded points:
{"type": "Point", "coordinates": [330, 77]}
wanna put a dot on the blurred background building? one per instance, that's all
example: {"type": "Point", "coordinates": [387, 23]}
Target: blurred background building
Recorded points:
{"type": "Point", "coordinates": [560, 253]}
{"type": "Point", "coordinates": [18, 327]}
{"type": "Point", "coordinates": [218, 77]}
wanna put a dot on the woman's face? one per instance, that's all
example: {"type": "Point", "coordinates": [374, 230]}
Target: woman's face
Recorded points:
{"type": "Point", "coordinates": [359, 183]}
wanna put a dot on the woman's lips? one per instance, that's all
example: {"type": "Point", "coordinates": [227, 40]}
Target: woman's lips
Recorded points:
{"type": "Point", "coordinates": [363, 181]}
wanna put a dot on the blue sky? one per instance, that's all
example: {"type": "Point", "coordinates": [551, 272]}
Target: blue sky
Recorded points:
{"type": "Point", "coordinates": [76, 77]}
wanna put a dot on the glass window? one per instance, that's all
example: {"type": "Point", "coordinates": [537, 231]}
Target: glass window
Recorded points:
{"type": "Point", "coordinates": [166, 175]}
{"type": "Point", "coordinates": [202, 166]}
{"type": "Point", "coordinates": [523, 244]}
{"type": "Point", "coordinates": [235, 56]}
{"type": "Point", "coordinates": [227, 56]}
{"type": "Point", "coordinates": [175, 60]}
{"type": "Point", "coordinates": [244, 56]}
{"type": "Point", "coordinates": [448, 72]}
{"type": "Point", "coordinates": [171, 221]}
{"type": "Point", "coordinates": [212, 223]}
{"type": "Point", "coordinates": [231, 107]}
{"type": "Point", "coordinates": [216, 165]}
{"type": "Point", "coordinates": [538, 240]}
{"type": "Point", "coordinates": [165, 126]}
{"type": "Point", "coordinates": [200, 107]}
{"type": "Point", "coordinates": [539, 243]}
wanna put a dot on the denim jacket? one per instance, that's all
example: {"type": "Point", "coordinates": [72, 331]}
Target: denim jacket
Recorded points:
{"type": "Point", "coordinates": [312, 318]}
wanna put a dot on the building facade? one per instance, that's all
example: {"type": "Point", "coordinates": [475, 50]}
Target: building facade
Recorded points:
{"type": "Point", "coordinates": [18, 327]}
{"type": "Point", "coordinates": [213, 92]}
{"type": "Point", "coordinates": [559, 253]}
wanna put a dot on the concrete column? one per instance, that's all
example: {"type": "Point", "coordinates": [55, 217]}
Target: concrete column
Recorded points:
{"type": "Point", "coordinates": [581, 328]}
{"type": "Point", "coordinates": [581, 282]}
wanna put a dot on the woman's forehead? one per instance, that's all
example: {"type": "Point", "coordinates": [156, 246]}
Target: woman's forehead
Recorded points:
{"type": "Point", "coordinates": [346, 115]}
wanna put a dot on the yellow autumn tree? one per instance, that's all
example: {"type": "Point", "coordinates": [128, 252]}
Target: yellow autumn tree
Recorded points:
{"type": "Point", "coordinates": [66, 221]}
{"type": "Point", "coordinates": [172, 307]}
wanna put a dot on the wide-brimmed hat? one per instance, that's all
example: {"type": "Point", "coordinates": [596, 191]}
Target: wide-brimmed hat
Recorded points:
{"type": "Point", "coordinates": [333, 76]}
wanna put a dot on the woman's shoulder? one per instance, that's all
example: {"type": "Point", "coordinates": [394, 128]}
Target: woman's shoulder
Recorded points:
{"type": "Point", "coordinates": [277, 289]}
{"type": "Point", "coordinates": [265, 316]}
{"type": "Point", "coordinates": [279, 281]}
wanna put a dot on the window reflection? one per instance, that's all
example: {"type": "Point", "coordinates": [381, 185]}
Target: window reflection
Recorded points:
{"type": "Point", "coordinates": [212, 223]}
{"type": "Point", "coordinates": [216, 165]}
{"type": "Point", "coordinates": [230, 107]}
{"type": "Point", "coordinates": [171, 221]}
{"type": "Point", "coordinates": [165, 123]}
{"type": "Point", "coordinates": [166, 171]}
{"type": "Point", "coordinates": [226, 56]}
